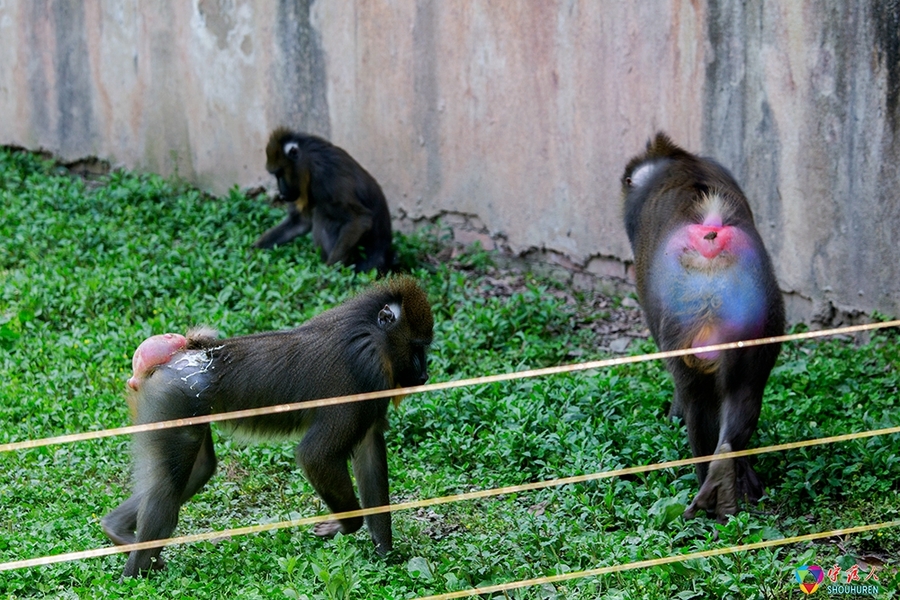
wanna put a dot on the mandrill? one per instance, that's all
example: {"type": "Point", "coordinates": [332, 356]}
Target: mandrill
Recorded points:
{"type": "Point", "coordinates": [704, 278]}
{"type": "Point", "coordinates": [375, 341]}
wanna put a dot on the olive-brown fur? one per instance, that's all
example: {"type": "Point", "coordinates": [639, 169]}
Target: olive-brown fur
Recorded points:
{"type": "Point", "coordinates": [666, 190]}
{"type": "Point", "coordinates": [327, 191]}
{"type": "Point", "coordinates": [375, 341]}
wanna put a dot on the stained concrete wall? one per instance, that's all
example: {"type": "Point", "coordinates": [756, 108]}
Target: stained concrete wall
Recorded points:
{"type": "Point", "coordinates": [516, 116]}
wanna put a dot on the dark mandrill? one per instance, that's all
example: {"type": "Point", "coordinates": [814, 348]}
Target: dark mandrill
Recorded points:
{"type": "Point", "coordinates": [328, 192]}
{"type": "Point", "coordinates": [375, 341]}
{"type": "Point", "coordinates": [704, 278]}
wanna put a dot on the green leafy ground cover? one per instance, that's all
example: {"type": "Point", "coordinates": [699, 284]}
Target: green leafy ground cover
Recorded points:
{"type": "Point", "coordinates": [88, 270]}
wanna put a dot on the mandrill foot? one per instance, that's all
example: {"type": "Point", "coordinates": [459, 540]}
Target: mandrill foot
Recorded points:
{"type": "Point", "coordinates": [719, 492]}
{"type": "Point", "coordinates": [327, 529]}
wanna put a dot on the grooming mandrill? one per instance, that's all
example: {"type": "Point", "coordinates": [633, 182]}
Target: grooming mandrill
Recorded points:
{"type": "Point", "coordinates": [325, 190]}
{"type": "Point", "coordinates": [703, 278]}
{"type": "Point", "coordinates": [376, 341]}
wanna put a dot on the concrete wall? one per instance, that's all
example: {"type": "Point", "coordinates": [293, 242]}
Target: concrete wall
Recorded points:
{"type": "Point", "coordinates": [515, 116]}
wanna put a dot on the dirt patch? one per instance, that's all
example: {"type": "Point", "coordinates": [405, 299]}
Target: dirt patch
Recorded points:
{"type": "Point", "coordinates": [605, 307]}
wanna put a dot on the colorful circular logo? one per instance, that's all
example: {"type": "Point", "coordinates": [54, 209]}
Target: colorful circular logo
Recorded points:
{"type": "Point", "coordinates": [809, 577]}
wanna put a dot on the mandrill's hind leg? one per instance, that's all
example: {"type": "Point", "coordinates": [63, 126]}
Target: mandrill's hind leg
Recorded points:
{"type": "Point", "coordinates": [120, 523]}
{"type": "Point", "coordinates": [151, 513]}
{"type": "Point", "coordinates": [726, 481]}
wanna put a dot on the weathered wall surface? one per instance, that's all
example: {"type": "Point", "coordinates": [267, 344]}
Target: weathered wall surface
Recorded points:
{"type": "Point", "coordinates": [162, 85]}
{"type": "Point", "coordinates": [519, 115]}
{"type": "Point", "coordinates": [802, 101]}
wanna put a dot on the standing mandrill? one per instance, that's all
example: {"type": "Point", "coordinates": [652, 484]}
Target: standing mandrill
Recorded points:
{"type": "Point", "coordinates": [703, 278]}
{"type": "Point", "coordinates": [376, 341]}
{"type": "Point", "coordinates": [327, 191]}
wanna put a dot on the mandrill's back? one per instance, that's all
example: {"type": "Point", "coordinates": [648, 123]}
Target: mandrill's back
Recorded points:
{"type": "Point", "coordinates": [709, 279]}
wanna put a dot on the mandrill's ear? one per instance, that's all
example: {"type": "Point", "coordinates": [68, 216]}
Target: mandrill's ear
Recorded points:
{"type": "Point", "coordinates": [388, 315]}
{"type": "Point", "coordinates": [291, 150]}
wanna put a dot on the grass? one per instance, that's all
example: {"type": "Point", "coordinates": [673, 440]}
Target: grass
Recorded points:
{"type": "Point", "coordinates": [89, 269]}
